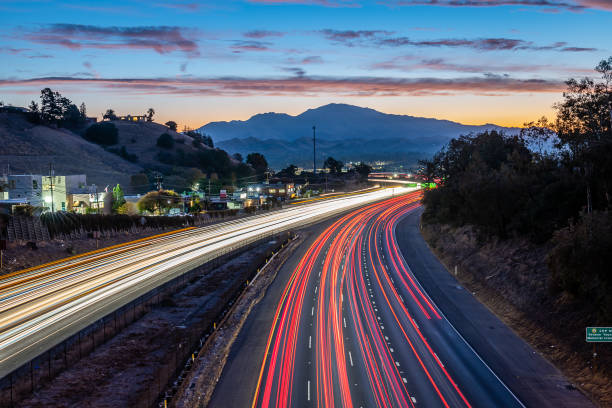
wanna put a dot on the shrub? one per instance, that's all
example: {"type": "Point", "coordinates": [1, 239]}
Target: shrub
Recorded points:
{"type": "Point", "coordinates": [104, 133]}
{"type": "Point", "coordinates": [580, 261]}
{"type": "Point", "coordinates": [165, 141]}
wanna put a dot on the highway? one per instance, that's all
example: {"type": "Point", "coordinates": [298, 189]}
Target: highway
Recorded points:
{"type": "Point", "coordinates": [354, 328]}
{"type": "Point", "coordinates": [40, 307]}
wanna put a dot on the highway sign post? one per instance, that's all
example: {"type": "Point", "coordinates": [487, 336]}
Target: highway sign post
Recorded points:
{"type": "Point", "coordinates": [599, 334]}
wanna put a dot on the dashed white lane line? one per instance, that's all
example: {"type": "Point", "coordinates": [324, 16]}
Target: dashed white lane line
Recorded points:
{"type": "Point", "coordinates": [312, 311]}
{"type": "Point", "coordinates": [308, 390]}
{"type": "Point", "coordinates": [344, 320]}
{"type": "Point", "coordinates": [351, 358]}
{"type": "Point", "coordinates": [309, 342]}
{"type": "Point", "coordinates": [316, 289]}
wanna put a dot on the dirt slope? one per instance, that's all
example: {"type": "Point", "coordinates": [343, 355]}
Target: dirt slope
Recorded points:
{"type": "Point", "coordinates": [29, 149]}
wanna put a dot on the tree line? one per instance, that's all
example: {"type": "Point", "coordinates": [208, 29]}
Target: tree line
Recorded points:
{"type": "Point", "coordinates": [550, 183]}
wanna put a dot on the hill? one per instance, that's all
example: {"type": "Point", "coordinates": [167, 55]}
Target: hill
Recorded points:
{"type": "Point", "coordinates": [30, 149]}
{"type": "Point", "coordinates": [344, 131]}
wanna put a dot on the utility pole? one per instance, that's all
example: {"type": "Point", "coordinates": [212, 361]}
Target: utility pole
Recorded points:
{"type": "Point", "coordinates": [158, 181]}
{"type": "Point", "coordinates": [51, 185]}
{"type": "Point", "coordinates": [314, 151]}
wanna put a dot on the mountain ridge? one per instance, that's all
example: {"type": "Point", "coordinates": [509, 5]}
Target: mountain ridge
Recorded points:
{"type": "Point", "coordinates": [339, 129]}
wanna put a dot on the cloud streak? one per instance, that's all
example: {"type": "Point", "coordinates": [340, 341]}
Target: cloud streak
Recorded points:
{"type": "Point", "coordinates": [161, 39]}
{"type": "Point", "coordinates": [257, 34]}
{"type": "Point", "coordinates": [378, 38]}
{"type": "Point", "coordinates": [575, 5]}
{"type": "Point", "coordinates": [301, 85]}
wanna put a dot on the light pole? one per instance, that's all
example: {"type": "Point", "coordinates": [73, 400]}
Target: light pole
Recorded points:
{"type": "Point", "coordinates": [314, 151]}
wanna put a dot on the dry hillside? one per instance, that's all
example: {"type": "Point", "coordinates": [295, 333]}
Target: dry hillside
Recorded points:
{"type": "Point", "coordinates": [141, 138]}
{"type": "Point", "coordinates": [30, 148]}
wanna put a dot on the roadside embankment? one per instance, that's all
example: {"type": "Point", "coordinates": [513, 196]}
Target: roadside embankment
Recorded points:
{"type": "Point", "coordinates": [511, 278]}
{"type": "Point", "coordinates": [198, 387]}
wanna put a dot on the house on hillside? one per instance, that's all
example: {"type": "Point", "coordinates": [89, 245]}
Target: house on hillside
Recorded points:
{"type": "Point", "coordinates": [131, 118]}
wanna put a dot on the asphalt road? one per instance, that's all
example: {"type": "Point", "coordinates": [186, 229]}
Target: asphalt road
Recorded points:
{"type": "Point", "coordinates": [347, 323]}
{"type": "Point", "coordinates": [42, 306]}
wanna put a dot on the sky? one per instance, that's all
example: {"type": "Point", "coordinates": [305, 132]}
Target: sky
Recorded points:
{"type": "Point", "coordinates": [471, 61]}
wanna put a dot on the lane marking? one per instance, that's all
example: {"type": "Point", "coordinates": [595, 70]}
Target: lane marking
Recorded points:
{"type": "Point", "coordinates": [308, 390]}
{"type": "Point", "coordinates": [309, 342]}
{"type": "Point", "coordinates": [351, 358]}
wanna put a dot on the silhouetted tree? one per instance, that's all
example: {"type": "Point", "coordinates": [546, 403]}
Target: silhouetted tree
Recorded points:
{"type": "Point", "coordinates": [258, 162]}
{"type": "Point", "coordinates": [72, 116]}
{"type": "Point", "coordinates": [109, 115]}
{"type": "Point", "coordinates": [238, 157]}
{"type": "Point", "coordinates": [53, 106]}
{"type": "Point", "coordinates": [83, 110]}
{"type": "Point", "coordinates": [149, 115]}
{"type": "Point", "coordinates": [363, 170]}
{"type": "Point", "coordinates": [171, 125]}
{"type": "Point", "coordinates": [288, 171]}
{"type": "Point", "coordinates": [334, 166]}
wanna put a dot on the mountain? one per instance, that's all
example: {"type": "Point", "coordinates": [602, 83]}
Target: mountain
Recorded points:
{"type": "Point", "coordinates": [345, 132]}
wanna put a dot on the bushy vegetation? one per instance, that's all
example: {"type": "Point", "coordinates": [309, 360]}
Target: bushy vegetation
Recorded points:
{"type": "Point", "coordinates": [159, 202]}
{"type": "Point", "coordinates": [514, 186]}
{"type": "Point", "coordinates": [122, 152]}
{"type": "Point", "coordinates": [104, 133]}
{"type": "Point", "coordinates": [65, 223]}
{"type": "Point", "coordinates": [581, 259]}
{"type": "Point", "coordinates": [165, 141]}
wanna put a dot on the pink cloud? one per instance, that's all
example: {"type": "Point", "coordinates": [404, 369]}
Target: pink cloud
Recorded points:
{"type": "Point", "coordinates": [302, 85]}
{"type": "Point", "coordinates": [162, 39]}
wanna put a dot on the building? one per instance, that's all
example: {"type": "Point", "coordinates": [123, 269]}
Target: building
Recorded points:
{"type": "Point", "coordinates": [81, 202]}
{"type": "Point", "coordinates": [51, 192]}
{"type": "Point", "coordinates": [55, 193]}
{"type": "Point", "coordinates": [133, 118]}
{"type": "Point", "coordinates": [26, 188]}
{"type": "Point", "coordinates": [76, 183]}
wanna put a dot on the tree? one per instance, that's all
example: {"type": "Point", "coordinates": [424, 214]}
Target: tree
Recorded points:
{"type": "Point", "coordinates": [53, 106]}
{"type": "Point", "coordinates": [109, 115]}
{"type": "Point", "coordinates": [33, 107]}
{"type": "Point", "coordinates": [171, 125]}
{"type": "Point", "coordinates": [584, 128]}
{"type": "Point", "coordinates": [363, 170]}
{"type": "Point", "coordinates": [34, 114]}
{"type": "Point", "coordinates": [334, 166]}
{"type": "Point", "coordinates": [238, 157]}
{"type": "Point", "coordinates": [118, 198]}
{"type": "Point", "coordinates": [289, 171]}
{"type": "Point", "coordinates": [159, 201]}
{"type": "Point", "coordinates": [104, 133]}
{"type": "Point", "coordinates": [72, 116]}
{"type": "Point", "coordinates": [165, 141]}
{"type": "Point", "coordinates": [150, 113]}
{"type": "Point", "coordinates": [83, 110]}
{"type": "Point", "coordinates": [258, 162]}
{"type": "Point", "coordinates": [207, 140]}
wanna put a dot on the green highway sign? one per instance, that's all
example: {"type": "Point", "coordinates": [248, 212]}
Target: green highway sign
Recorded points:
{"type": "Point", "coordinates": [599, 334]}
